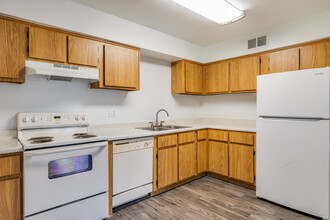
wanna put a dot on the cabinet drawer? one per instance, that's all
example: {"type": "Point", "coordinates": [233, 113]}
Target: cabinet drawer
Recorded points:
{"type": "Point", "coordinates": [167, 140]}
{"type": "Point", "coordinates": [241, 138]}
{"type": "Point", "coordinates": [201, 134]}
{"type": "Point", "coordinates": [218, 135]}
{"type": "Point", "coordinates": [187, 137]}
{"type": "Point", "coordinates": [9, 165]}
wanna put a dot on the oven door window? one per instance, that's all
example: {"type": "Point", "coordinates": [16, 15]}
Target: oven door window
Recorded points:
{"type": "Point", "coordinates": [69, 166]}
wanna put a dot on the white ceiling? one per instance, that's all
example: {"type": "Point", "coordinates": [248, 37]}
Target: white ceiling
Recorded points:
{"type": "Point", "coordinates": [173, 19]}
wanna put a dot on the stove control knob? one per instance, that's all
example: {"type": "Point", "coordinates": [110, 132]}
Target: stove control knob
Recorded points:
{"type": "Point", "coordinates": [26, 119]}
{"type": "Point", "coordinates": [83, 117]}
{"type": "Point", "coordinates": [34, 119]}
{"type": "Point", "coordinates": [77, 118]}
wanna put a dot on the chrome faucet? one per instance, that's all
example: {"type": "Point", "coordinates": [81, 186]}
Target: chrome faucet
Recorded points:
{"type": "Point", "coordinates": [161, 123]}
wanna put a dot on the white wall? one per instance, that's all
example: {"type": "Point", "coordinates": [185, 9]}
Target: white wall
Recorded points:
{"type": "Point", "coordinates": [294, 32]}
{"type": "Point", "coordinates": [41, 95]}
{"type": "Point", "coordinates": [72, 16]}
{"type": "Point", "coordinates": [230, 106]}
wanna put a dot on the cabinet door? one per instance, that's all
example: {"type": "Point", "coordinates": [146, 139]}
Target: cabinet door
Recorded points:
{"type": "Point", "coordinates": [167, 166]}
{"type": "Point", "coordinates": [13, 44]}
{"type": "Point", "coordinates": [202, 156]}
{"type": "Point", "coordinates": [121, 67]}
{"type": "Point", "coordinates": [218, 157]}
{"type": "Point", "coordinates": [314, 56]}
{"type": "Point", "coordinates": [241, 162]}
{"type": "Point", "coordinates": [216, 78]}
{"type": "Point", "coordinates": [243, 74]}
{"type": "Point", "coordinates": [47, 45]}
{"type": "Point", "coordinates": [83, 51]}
{"type": "Point", "coordinates": [187, 161]}
{"type": "Point", "coordinates": [10, 199]}
{"type": "Point", "coordinates": [284, 60]}
{"type": "Point", "coordinates": [194, 78]}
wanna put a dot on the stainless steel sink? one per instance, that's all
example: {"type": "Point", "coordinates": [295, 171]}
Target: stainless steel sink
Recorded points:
{"type": "Point", "coordinates": [154, 128]}
{"type": "Point", "coordinates": [175, 126]}
{"type": "Point", "coordinates": [163, 128]}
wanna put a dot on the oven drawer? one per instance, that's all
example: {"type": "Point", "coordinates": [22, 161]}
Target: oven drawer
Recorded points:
{"type": "Point", "coordinates": [60, 175]}
{"type": "Point", "coordinates": [78, 210]}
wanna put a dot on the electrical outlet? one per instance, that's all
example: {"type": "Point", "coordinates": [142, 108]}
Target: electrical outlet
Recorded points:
{"type": "Point", "coordinates": [112, 113]}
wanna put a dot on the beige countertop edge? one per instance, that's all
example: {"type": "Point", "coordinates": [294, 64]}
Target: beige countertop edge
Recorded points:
{"type": "Point", "coordinates": [146, 133]}
{"type": "Point", "coordinates": [10, 146]}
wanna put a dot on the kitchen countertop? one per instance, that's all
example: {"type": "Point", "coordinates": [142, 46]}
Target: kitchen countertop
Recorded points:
{"type": "Point", "coordinates": [128, 130]}
{"type": "Point", "coordinates": [10, 144]}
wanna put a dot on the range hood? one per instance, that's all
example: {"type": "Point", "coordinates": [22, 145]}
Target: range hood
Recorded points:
{"type": "Point", "coordinates": [62, 72]}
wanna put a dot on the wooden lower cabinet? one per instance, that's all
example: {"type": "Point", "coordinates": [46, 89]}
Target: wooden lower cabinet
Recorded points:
{"type": "Point", "coordinates": [187, 161]}
{"type": "Point", "coordinates": [218, 157]}
{"type": "Point", "coordinates": [167, 166]}
{"type": "Point", "coordinates": [241, 162]}
{"type": "Point", "coordinates": [10, 199]}
{"type": "Point", "coordinates": [11, 186]}
{"type": "Point", "coordinates": [181, 157]}
{"type": "Point", "coordinates": [202, 156]}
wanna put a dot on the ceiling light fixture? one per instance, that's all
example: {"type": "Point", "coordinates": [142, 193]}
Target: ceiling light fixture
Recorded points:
{"type": "Point", "coordinates": [219, 11]}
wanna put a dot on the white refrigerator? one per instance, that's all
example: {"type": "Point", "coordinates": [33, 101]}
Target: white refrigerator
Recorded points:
{"type": "Point", "coordinates": [292, 166]}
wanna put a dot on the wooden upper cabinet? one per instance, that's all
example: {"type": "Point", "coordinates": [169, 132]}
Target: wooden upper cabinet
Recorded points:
{"type": "Point", "coordinates": [47, 45]}
{"type": "Point", "coordinates": [241, 162]}
{"type": "Point", "coordinates": [85, 52]}
{"type": "Point", "coordinates": [13, 51]}
{"type": "Point", "coordinates": [194, 78]}
{"type": "Point", "coordinates": [284, 60]}
{"type": "Point", "coordinates": [121, 67]}
{"type": "Point", "coordinates": [187, 77]}
{"type": "Point", "coordinates": [315, 55]}
{"type": "Point", "coordinates": [216, 78]}
{"type": "Point", "coordinates": [243, 74]}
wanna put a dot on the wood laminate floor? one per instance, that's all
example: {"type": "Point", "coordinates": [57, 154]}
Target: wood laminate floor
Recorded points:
{"type": "Point", "coordinates": [207, 198]}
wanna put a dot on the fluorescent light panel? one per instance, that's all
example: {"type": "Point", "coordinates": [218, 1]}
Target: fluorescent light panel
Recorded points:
{"type": "Point", "coordinates": [219, 11]}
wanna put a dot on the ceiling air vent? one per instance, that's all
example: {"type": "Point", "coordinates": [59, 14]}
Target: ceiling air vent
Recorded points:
{"type": "Point", "coordinates": [257, 42]}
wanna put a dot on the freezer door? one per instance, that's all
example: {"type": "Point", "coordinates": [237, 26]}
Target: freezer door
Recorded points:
{"type": "Point", "coordinates": [297, 94]}
{"type": "Point", "coordinates": [293, 164]}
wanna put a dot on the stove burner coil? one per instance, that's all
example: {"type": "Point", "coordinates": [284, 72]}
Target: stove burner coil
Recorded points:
{"type": "Point", "coordinates": [83, 135]}
{"type": "Point", "coordinates": [44, 139]}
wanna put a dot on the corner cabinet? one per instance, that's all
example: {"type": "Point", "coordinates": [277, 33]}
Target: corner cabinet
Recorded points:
{"type": "Point", "coordinates": [13, 51]}
{"type": "Point", "coordinates": [11, 201]}
{"type": "Point", "coordinates": [187, 78]}
{"type": "Point", "coordinates": [315, 55]}
{"type": "Point", "coordinates": [121, 68]}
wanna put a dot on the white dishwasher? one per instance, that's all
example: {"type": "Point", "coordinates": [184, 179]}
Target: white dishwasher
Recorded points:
{"type": "Point", "coordinates": [132, 169]}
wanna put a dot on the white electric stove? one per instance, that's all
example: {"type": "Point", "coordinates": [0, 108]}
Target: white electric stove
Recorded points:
{"type": "Point", "coordinates": [65, 167]}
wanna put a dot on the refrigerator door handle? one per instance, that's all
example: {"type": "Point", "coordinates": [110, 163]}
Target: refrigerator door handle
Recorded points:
{"type": "Point", "coordinates": [292, 119]}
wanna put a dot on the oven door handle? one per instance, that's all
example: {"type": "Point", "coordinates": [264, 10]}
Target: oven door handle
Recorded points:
{"type": "Point", "coordinates": [64, 149]}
